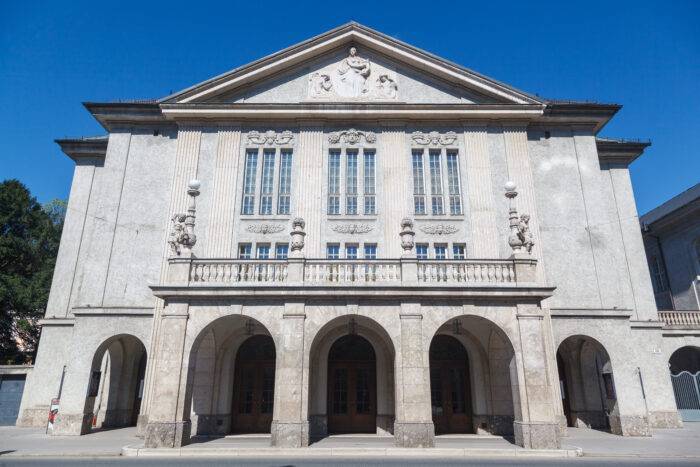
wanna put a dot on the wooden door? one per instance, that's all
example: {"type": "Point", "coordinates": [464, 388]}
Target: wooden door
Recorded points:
{"type": "Point", "coordinates": [352, 387]}
{"type": "Point", "coordinates": [450, 392]}
{"type": "Point", "coordinates": [254, 386]}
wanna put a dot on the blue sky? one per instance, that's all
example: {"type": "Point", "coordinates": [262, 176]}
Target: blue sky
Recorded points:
{"type": "Point", "coordinates": [643, 55]}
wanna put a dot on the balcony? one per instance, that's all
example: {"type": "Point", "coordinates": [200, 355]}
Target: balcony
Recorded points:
{"type": "Point", "coordinates": [211, 277]}
{"type": "Point", "coordinates": [687, 319]}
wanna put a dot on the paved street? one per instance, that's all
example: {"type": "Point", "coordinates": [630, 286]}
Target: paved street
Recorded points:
{"type": "Point", "coordinates": [340, 462]}
{"type": "Point", "coordinates": [59, 450]}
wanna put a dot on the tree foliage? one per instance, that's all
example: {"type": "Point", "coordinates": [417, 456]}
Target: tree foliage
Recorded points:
{"type": "Point", "coordinates": [29, 238]}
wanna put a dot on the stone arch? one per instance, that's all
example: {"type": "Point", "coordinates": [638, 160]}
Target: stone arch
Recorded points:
{"type": "Point", "coordinates": [685, 358]}
{"type": "Point", "coordinates": [211, 364]}
{"type": "Point", "coordinates": [384, 351]}
{"type": "Point", "coordinates": [115, 387]}
{"type": "Point", "coordinates": [493, 375]}
{"type": "Point", "coordinates": [586, 375]}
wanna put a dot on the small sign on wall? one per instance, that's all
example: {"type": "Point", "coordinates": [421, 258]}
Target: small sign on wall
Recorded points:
{"type": "Point", "coordinates": [656, 351]}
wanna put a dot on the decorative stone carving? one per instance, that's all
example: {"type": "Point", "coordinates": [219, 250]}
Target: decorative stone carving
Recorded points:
{"type": "Point", "coordinates": [298, 235]}
{"type": "Point", "coordinates": [407, 236]}
{"type": "Point", "coordinates": [353, 78]}
{"type": "Point", "coordinates": [352, 228]}
{"type": "Point", "coordinates": [265, 228]}
{"type": "Point", "coordinates": [270, 137]}
{"type": "Point", "coordinates": [352, 136]}
{"type": "Point", "coordinates": [182, 237]}
{"type": "Point", "coordinates": [520, 235]}
{"type": "Point", "coordinates": [178, 236]}
{"type": "Point", "coordinates": [439, 229]}
{"type": "Point", "coordinates": [434, 138]}
{"type": "Point", "coordinates": [524, 233]}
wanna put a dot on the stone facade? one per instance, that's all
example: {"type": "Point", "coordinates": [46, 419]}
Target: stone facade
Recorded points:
{"type": "Point", "coordinates": [161, 283]}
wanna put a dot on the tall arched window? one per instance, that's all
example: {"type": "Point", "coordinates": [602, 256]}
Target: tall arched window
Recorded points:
{"type": "Point", "coordinates": [658, 274]}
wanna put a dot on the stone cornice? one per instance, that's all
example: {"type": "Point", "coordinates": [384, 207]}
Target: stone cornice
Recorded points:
{"type": "Point", "coordinates": [505, 292]}
{"type": "Point", "coordinates": [618, 151]}
{"type": "Point", "coordinates": [84, 149]}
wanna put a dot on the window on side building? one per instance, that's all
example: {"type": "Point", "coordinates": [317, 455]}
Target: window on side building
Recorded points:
{"type": "Point", "coordinates": [658, 274]}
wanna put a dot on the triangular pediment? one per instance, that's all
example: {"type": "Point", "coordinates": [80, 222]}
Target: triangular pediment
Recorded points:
{"type": "Point", "coordinates": [354, 64]}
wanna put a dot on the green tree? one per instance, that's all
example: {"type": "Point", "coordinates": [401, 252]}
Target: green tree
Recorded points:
{"type": "Point", "coordinates": [29, 238]}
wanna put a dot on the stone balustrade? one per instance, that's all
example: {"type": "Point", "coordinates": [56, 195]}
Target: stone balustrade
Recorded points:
{"type": "Point", "coordinates": [690, 318]}
{"type": "Point", "coordinates": [369, 272]}
{"type": "Point", "coordinates": [246, 271]}
{"type": "Point", "coordinates": [458, 271]}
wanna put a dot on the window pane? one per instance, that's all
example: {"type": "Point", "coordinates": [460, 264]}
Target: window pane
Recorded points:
{"type": "Point", "coordinates": [281, 251]}
{"type": "Point", "coordinates": [436, 184]}
{"type": "Point", "coordinates": [369, 173]}
{"type": "Point", "coordinates": [458, 251]}
{"type": "Point", "coordinates": [370, 204]}
{"type": "Point", "coordinates": [334, 183]}
{"type": "Point", "coordinates": [268, 174]}
{"type": "Point", "coordinates": [333, 251]}
{"type": "Point", "coordinates": [418, 185]}
{"type": "Point", "coordinates": [285, 187]}
{"type": "Point", "coordinates": [371, 251]}
{"type": "Point", "coordinates": [351, 173]}
{"type": "Point", "coordinates": [251, 168]}
{"type": "Point", "coordinates": [453, 183]}
{"type": "Point", "coordinates": [440, 252]}
{"type": "Point", "coordinates": [422, 251]}
{"type": "Point", "coordinates": [244, 251]}
{"type": "Point", "coordinates": [419, 204]}
{"type": "Point", "coordinates": [263, 251]}
{"type": "Point", "coordinates": [351, 205]}
{"type": "Point", "coordinates": [351, 251]}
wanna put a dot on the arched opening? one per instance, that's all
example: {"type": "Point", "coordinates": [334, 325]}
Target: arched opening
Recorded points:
{"type": "Point", "coordinates": [363, 353]}
{"type": "Point", "coordinates": [685, 379]}
{"type": "Point", "coordinates": [231, 380]}
{"type": "Point", "coordinates": [473, 378]}
{"type": "Point", "coordinates": [352, 386]}
{"type": "Point", "coordinates": [254, 386]}
{"type": "Point", "coordinates": [450, 390]}
{"type": "Point", "coordinates": [115, 387]}
{"type": "Point", "coordinates": [587, 383]}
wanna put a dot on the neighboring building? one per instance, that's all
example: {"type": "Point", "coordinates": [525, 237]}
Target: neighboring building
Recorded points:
{"type": "Point", "coordinates": [352, 263]}
{"type": "Point", "coordinates": [12, 379]}
{"type": "Point", "coordinates": [672, 241]}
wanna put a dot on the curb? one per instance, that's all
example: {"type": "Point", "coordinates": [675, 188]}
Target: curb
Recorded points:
{"type": "Point", "coordinates": [62, 454]}
{"type": "Point", "coordinates": [135, 451]}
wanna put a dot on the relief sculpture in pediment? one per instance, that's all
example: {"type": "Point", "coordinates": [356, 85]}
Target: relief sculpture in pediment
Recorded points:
{"type": "Point", "coordinates": [354, 77]}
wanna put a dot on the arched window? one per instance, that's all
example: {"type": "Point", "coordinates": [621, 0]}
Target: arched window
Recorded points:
{"type": "Point", "coordinates": [658, 274]}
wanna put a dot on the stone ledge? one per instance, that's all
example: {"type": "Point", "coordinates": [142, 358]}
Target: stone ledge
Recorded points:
{"type": "Point", "coordinates": [137, 451]}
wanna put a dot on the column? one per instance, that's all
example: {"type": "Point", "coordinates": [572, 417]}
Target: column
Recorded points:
{"type": "Point", "coordinates": [169, 412]}
{"type": "Point", "coordinates": [537, 427]}
{"type": "Point", "coordinates": [481, 203]}
{"type": "Point", "coordinates": [290, 426]}
{"type": "Point", "coordinates": [308, 187]}
{"type": "Point", "coordinates": [186, 163]}
{"type": "Point", "coordinates": [220, 229]}
{"type": "Point", "coordinates": [393, 160]}
{"type": "Point", "coordinates": [413, 427]}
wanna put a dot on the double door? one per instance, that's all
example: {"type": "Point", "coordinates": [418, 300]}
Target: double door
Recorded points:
{"type": "Point", "coordinates": [352, 406]}
{"type": "Point", "coordinates": [449, 394]}
{"type": "Point", "coordinates": [253, 398]}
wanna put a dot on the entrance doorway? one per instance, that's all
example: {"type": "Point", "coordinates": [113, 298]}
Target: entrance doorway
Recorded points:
{"type": "Point", "coordinates": [254, 386]}
{"type": "Point", "coordinates": [450, 392]}
{"type": "Point", "coordinates": [352, 386]}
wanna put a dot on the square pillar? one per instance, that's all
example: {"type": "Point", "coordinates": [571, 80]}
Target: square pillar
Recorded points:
{"type": "Point", "coordinates": [290, 426]}
{"type": "Point", "coordinates": [413, 427]}
{"type": "Point", "coordinates": [538, 426]}
{"type": "Point", "coordinates": [169, 415]}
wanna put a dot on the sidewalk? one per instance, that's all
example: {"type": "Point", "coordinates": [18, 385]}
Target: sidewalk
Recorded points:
{"type": "Point", "coordinates": [665, 443]}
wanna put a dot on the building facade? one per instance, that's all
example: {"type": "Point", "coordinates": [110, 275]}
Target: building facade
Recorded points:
{"type": "Point", "coordinates": [324, 241]}
{"type": "Point", "coordinates": [671, 234]}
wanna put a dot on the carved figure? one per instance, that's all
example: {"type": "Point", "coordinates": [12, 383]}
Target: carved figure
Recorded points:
{"type": "Point", "coordinates": [178, 235]}
{"type": "Point", "coordinates": [386, 87]}
{"type": "Point", "coordinates": [321, 84]}
{"type": "Point", "coordinates": [354, 71]}
{"type": "Point", "coordinates": [524, 232]}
